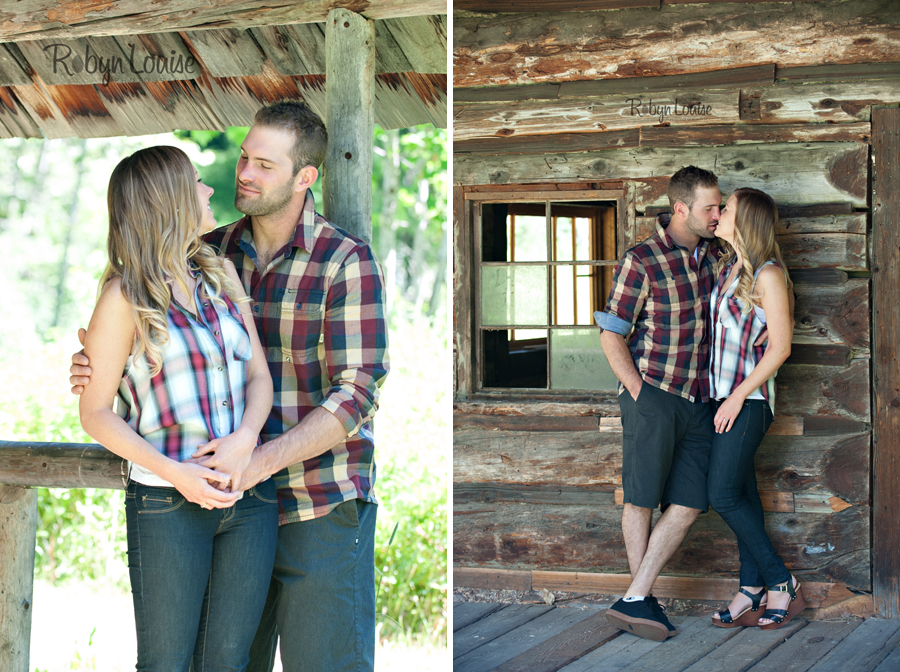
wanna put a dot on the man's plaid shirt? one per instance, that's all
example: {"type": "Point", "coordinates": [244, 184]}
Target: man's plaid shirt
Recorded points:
{"type": "Point", "coordinates": [320, 312]}
{"type": "Point", "coordinates": [660, 296]}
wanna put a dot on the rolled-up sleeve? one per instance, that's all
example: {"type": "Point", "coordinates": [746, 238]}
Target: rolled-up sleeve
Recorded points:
{"type": "Point", "coordinates": [356, 340]}
{"type": "Point", "coordinates": [627, 296]}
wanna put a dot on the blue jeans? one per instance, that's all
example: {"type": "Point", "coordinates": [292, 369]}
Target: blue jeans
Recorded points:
{"type": "Point", "coordinates": [198, 577]}
{"type": "Point", "coordinates": [322, 597]}
{"type": "Point", "coordinates": [733, 493]}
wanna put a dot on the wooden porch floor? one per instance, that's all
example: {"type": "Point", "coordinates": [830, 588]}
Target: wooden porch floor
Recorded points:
{"type": "Point", "coordinates": [540, 638]}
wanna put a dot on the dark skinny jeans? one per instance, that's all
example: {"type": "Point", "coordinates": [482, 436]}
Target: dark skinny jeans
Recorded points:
{"type": "Point", "coordinates": [733, 493]}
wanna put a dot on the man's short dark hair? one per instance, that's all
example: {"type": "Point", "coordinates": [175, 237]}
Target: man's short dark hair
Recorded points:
{"type": "Point", "coordinates": [310, 136]}
{"type": "Point", "coordinates": [684, 183]}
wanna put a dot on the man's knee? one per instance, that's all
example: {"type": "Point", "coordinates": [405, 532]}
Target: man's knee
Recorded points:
{"type": "Point", "coordinates": [683, 516]}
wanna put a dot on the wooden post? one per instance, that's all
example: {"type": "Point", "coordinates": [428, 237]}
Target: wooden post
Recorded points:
{"type": "Point", "coordinates": [18, 531]}
{"type": "Point", "coordinates": [886, 360]}
{"type": "Point", "coordinates": [350, 119]}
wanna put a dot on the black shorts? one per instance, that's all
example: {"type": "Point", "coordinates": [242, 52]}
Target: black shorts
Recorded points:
{"type": "Point", "coordinates": [665, 449]}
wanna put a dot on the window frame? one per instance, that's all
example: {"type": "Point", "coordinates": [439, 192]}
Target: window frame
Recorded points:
{"type": "Point", "coordinates": [472, 199]}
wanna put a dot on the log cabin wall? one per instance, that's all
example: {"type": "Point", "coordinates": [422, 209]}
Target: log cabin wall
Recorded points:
{"type": "Point", "coordinates": [777, 96]}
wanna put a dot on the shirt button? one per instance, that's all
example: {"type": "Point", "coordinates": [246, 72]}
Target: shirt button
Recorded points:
{"type": "Point", "coordinates": [255, 309]}
{"type": "Point", "coordinates": [205, 303]}
{"type": "Point", "coordinates": [216, 333]}
{"type": "Point", "coordinates": [221, 367]}
{"type": "Point", "coordinates": [224, 403]}
{"type": "Point", "coordinates": [287, 359]}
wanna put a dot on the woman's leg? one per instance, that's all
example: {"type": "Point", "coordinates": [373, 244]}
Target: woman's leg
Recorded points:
{"type": "Point", "coordinates": [733, 494]}
{"type": "Point", "coordinates": [169, 552]}
{"type": "Point", "coordinates": [242, 560]}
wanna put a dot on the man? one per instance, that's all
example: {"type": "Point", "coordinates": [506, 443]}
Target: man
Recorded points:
{"type": "Point", "coordinates": [660, 298]}
{"type": "Point", "coordinates": [317, 295]}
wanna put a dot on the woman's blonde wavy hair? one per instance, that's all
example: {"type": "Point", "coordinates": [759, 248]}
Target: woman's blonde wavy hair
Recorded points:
{"type": "Point", "coordinates": [154, 223]}
{"type": "Point", "coordinates": [755, 220]}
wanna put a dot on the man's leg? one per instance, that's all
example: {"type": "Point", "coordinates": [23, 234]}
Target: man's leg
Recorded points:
{"type": "Point", "coordinates": [326, 606]}
{"type": "Point", "coordinates": [668, 533]}
{"type": "Point", "coordinates": [636, 530]}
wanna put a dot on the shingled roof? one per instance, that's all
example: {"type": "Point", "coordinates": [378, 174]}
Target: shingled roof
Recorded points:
{"type": "Point", "coordinates": [128, 67]}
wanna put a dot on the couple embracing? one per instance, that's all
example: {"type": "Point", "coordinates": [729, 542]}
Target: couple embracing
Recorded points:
{"type": "Point", "coordinates": [695, 332]}
{"type": "Point", "coordinates": [246, 362]}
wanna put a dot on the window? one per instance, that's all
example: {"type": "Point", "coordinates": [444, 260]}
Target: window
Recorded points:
{"type": "Point", "coordinates": [544, 264]}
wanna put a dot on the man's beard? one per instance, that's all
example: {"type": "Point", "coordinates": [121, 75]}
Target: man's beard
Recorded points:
{"type": "Point", "coordinates": [265, 203]}
{"type": "Point", "coordinates": [698, 228]}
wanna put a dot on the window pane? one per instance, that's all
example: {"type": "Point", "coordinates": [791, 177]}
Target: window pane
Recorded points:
{"type": "Point", "coordinates": [513, 295]}
{"type": "Point", "coordinates": [563, 240]}
{"type": "Point", "coordinates": [526, 238]}
{"type": "Point", "coordinates": [519, 363]}
{"type": "Point", "coordinates": [577, 361]}
{"type": "Point", "coordinates": [577, 292]}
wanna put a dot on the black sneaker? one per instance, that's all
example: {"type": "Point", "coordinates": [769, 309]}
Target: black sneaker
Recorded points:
{"type": "Point", "coordinates": [661, 612]}
{"type": "Point", "coordinates": [644, 618]}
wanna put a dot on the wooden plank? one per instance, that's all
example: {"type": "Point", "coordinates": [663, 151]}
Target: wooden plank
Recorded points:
{"type": "Point", "coordinates": [588, 114]}
{"type": "Point", "coordinates": [18, 525]}
{"type": "Point", "coordinates": [564, 648]}
{"type": "Point", "coordinates": [818, 276]}
{"type": "Point", "coordinates": [49, 19]}
{"type": "Point", "coordinates": [533, 494]}
{"type": "Point", "coordinates": [831, 426]}
{"type": "Point", "coordinates": [502, 621]}
{"type": "Point", "coordinates": [772, 500]}
{"type": "Point", "coordinates": [297, 49]}
{"type": "Point", "coordinates": [423, 41]}
{"type": "Point", "coordinates": [527, 423]}
{"type": "Point", "coordinates": [745, 649]}
{"type": "Point", "coordinates": [825, 390]}
{"type": "Point", "coordinates": [462, 298]}
{"type": "Point", "coordinates": [61, 465]}
{"type": "Point", "coordinates": [12, 66]}
{"type": "Point", "coordinates": [693, 136]}
{"type": "Point", "coordinates": [795, 173]}
{"type": "Point", "coordinates": [466, 613]}
{"type": "Point", "coordinates": [682, 651]}
{"type": "Point", "coordinates": [410, 99]}
{"type": "Point", "coordinates": [826, 355]}
{"type": "Point", "coordinates": [622, 651]}
{"type": "Point", "coordinates": [834, 313]}
{"type": "Point", "coordinates": [824, 224]}
{"type": "Point", "coordinates": [227, 52]}
{"type": "Point", "coordinates": [822, 547]}
{"type": "Point", "coordinates": [492, 579]}
{"type": "Point", "coordinates": [350, 62]}
{"type": "Point", "coordinates": [558, 142]}
{"type": "Point", "coordinates": [754, 76]}
{"type": "Point", "coordinates": [891, 662]}
{"type": "Point", "coordinates": [822, 103]}
{"type": "Point", "coordinates": [803, 650]}
{"type": "Point", "coordinates": [839, 72]}
{"type": "Point", "coordinates": [886, 420]}
{"type": "Point", "coordinates": [551, 46]}
{"type": "Point", "coordinates": [589, 458]}
{"type": "Point", "coordinates": [529, 6]}
{"type": "Point", "coordinates": [863, 649]}
{"type": "Point", "coordinates": [508, 646]}
{"type": "Point", "coordinates": [825, 465]}
{"type": "Point", "coordinates": [15, 120]}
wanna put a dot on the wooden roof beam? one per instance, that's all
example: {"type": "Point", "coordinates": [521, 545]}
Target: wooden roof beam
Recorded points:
{"type": "Point", "coordinates": [44, 19]}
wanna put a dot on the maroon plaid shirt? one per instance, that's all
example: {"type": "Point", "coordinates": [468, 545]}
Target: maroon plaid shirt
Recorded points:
{"type": "Point", "coordinates": [660, 302]}
{"type": "Point", "coordinates": [320, 313]}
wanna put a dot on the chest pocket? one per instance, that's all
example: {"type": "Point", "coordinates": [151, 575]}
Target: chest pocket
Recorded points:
{"type": "Point", "coordinates": [730, 312]}
{"type": "Point", "coordinates": [302, 319]}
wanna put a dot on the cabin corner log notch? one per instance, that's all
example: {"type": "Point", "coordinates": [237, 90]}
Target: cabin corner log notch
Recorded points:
{"type": "Point", "coordinates": [61, 465]}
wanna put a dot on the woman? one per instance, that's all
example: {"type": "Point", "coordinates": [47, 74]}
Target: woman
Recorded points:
{"type": "Point", "coordinates": [167, 340]}
{"type": "Point", "coordinates": [751, 294]}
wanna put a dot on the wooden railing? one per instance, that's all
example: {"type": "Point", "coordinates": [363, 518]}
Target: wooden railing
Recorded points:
{"type": "Point", "coordinates": [24, 466]}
